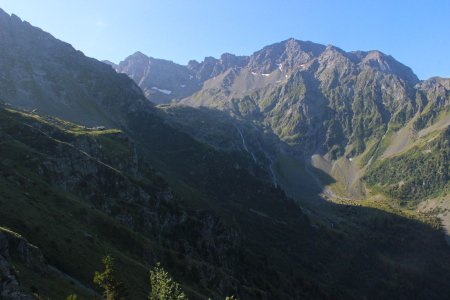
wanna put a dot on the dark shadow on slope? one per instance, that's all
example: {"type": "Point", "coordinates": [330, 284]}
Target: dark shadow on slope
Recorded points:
{"type": "Point", "coordinates": [282, 163]}
{"type": "Point", "coordinates": [350, 251]}
{"type": "Point", "coordinates": [284, 252]}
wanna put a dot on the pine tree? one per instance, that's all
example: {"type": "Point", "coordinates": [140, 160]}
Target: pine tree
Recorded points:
{"type": "Point", "coordinates": [163, 287]}
{"type": "Point", "coordinates": [113, 289]}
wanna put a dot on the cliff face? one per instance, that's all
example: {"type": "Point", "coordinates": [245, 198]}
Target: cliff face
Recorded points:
{"type": "Point", "coordinates": [15, 248]}
{"type": "Point", "coordinates": [101, 167]}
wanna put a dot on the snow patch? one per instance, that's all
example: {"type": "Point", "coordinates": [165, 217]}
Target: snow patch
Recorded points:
{"type": "Point", "coordinates": [280, 66]}
{"type": "Point", "coordinates": [183, 85]}
{"type": "Point", "coordinates": [264, 74]}
{"type": "Point", "coordinates": [167, 92]}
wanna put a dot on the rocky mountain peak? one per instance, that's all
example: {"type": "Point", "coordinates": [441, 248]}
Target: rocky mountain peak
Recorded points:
{"type": "Point", "coordinates": [332, 52]}
{"type": "Point", "coordinates": [139, 54]}
{"type": "Point", "coordinates": [161, 80]}
{"type": "Point", "coordinates": [134, 65]}
{"type": "Point", "coordinates": [384, 63]}
{"type": "Point", "coordinates": [211, 67]}
{"type": "Point", "coordinates": [436, 82]}
{"type": "Point", "coordinates": [306, 46]}
{"type": "Point", "coordinates": [193, 64]}
{"type": "Point", "coordinates": [135, 57]}
{"type": "Point", "coordinates": [333, 49]}
{"type": "Point", "coordinates": [229, 60]}
{"type": "Point", "coordinates": [288, 54]}
{"type": "Point", "coordinates": [4, 16]}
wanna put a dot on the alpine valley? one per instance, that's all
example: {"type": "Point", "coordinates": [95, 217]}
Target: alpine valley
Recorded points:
{"type": "Point", "coordinates": [299, 172]}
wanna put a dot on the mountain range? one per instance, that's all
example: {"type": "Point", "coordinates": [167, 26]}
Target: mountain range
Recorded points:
{"type": "Point", "coordinates": [343, 113]}
{"type": "Point", "coordinates": [299, 172]}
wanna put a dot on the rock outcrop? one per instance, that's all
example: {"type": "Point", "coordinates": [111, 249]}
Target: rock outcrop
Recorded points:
{"type": "Point", "coordinates": [13, 247]}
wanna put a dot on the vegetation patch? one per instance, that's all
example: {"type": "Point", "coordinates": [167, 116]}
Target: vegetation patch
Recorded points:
{"type": "Point", "coordinates": [419, 173]}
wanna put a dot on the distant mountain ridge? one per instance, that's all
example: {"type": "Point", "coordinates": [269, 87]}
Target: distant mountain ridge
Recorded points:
{"type": "Point", "coordinates": [340, 111]}
{"type": "Point", "coordinates": [264, 85]}
{"type": "Point", "coordinates": [293, 54]}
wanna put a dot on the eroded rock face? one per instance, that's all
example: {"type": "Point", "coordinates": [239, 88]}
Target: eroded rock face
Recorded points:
{"type": "Point", "coordinates": [9, 286]}
{"type": "Point", "coordinates": [84, 166]}
{"type": "Point", "coordinates": [198, 234]}
{"type": "Point", "coordinates": [16, 248]}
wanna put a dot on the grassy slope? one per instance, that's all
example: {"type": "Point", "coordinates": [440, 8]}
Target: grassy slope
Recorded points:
{"type": "Point", "coordinates": [418, 173]}
{"type": "Point", "coordinates": [60, 223]}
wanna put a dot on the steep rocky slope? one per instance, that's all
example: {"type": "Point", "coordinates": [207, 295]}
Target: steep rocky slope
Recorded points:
{"type": "Point", "coordinates": [14, 247]}
{"type": "Point", "coordinates": [160, 80]}
{"type": "Point", "coordinates": [40, 72]}
{"type": "Point", "coordinates": [164, 81]}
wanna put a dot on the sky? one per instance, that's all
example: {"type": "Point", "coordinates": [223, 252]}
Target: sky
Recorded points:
{"type": "Point", "coordinates": [415, 32]}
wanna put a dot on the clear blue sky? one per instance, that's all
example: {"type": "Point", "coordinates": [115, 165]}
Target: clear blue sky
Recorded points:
{"type": "Point", "coordinates": [416, 32]}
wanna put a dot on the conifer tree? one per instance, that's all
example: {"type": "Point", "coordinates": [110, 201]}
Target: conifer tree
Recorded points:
{"type": "Point", "coordinates": [113, 289]}
{"type": "Point", "coordinates": [163, 287]}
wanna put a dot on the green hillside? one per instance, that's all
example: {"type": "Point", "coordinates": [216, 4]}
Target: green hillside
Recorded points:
{"type": "Point", "coordinates": [417, 174]}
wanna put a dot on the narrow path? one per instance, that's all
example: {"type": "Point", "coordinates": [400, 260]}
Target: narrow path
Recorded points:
{"type": "Point", "coordinates": [75, 148]}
